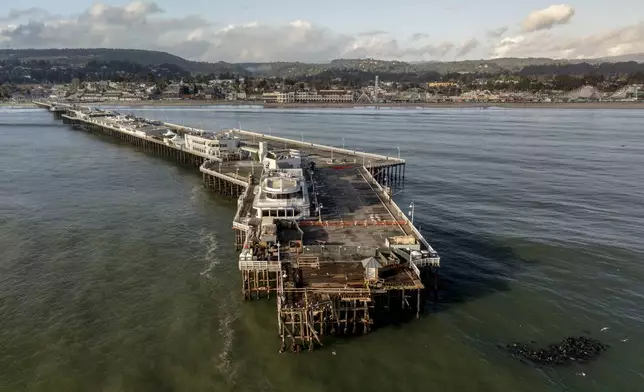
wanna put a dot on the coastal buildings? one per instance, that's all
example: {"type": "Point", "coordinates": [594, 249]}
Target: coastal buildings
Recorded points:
{"type": "Point", "coordinates": [321, 96]}
{"type": "Point", "coordinates": [483, 90]}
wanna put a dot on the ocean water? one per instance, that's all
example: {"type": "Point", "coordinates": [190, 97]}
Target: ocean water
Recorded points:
{"type": "Point", "coordinates": [117, 271]}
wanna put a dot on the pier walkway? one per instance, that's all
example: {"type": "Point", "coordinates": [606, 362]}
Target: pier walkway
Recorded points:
{"type": "Point", "coordinates": [316, 225]}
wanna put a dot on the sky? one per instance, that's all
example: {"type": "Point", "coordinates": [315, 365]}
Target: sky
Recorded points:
{"type": "Point", "coordinates": [289, 30]}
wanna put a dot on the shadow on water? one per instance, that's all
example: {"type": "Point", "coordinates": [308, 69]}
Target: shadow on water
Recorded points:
{"type": "Point", "coordinates": [472, 267]}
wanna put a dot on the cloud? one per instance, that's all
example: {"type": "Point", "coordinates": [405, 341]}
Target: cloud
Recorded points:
{"type": "Point", "coordinates": [419, 36]}
{"type": "Point", "coordinates": [372, 32]}
{"type": "Point", "coordinates": [386, 47]}
{"type": "Point", "coordinates": [144, 25]}
{"type": "Point", "coordinates": [506, 46]}
{"type": "Point", "coordinates": [29, 13]}
{"type": "Point", "coordinates": [496, 33]}
{"type": "Point", "coordinates": [548, 17]}
{"type": "Point", "coordinates": [134, 12]}
{"type": "Point", "coordinates": [624, 40]}
{"type": "Point", "coordinates": [134, 25]}
{"type": "Point", "coordinates": [467, 47]}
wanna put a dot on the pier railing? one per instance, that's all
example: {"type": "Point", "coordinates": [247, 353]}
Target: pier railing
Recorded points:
{"type": "Point", "coordinates": [320, 146]}
{"type": "Point", "coordinates": [340, 253]}
{"type": "Point", "coordinates": [434, 261]}
{"type": "Point", "coordinates": [240, 222]}
{"type": "Point", "coordinates": [207, 167]}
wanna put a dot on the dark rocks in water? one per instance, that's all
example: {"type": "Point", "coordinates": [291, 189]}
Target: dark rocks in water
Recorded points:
{"type": "Point", "coordinates": [570, 350]}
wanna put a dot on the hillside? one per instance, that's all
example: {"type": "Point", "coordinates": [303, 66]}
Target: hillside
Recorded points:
{"type": "Point", "coordinates": [622, 59]}
{"type": "Point", "coordinates": [307, 70]}
{"type": "Point", "coordinates": [136, 56]}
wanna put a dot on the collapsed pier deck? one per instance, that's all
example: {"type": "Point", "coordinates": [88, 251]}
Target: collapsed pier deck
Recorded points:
{"type": "Point", "coordinates": [349, 260]}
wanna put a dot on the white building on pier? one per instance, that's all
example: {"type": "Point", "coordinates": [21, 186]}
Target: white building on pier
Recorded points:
{"type": "Point", "coordinates": [282, 194]}
{"type": "Point", "coordinates": [282, 191]}
{"type": "Point", "coordinates": [212, 145]}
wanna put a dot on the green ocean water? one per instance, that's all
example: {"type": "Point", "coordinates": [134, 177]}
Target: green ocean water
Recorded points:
{"type": "Point", "coordinates": [117, 271]}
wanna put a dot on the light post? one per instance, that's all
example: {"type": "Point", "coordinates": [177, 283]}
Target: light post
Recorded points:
{"type": "Point", "coordinates": [302, 134]}
{"type": "Point", "coordinates": [239, 125]}
{"type": "Point", "coordinates": [343, 143]}
{"type": "Point", "coordinates": [398, 152]}
{"type": "Point", "coordinates": [237, 172]}
{"type": "Point", "coordinates": [411, 211]}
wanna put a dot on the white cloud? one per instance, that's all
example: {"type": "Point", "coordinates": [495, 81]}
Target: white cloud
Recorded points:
{"type": "Point", "coordinates": [625, 40]}
{"type": "Point", "coordinates": [507, 45]}
{"type": "Point", "coordinates": [29, 13]}
{"type": "Point", "coordinates": [496, 33]}
{"type": "Point", "coordinates": [144, 25]}
{"type": "Point", "coordinates": [419, 36]}
{"type": "Point", "coordinates": [467, 47]}
{"type": "Point", "coordinates": [372, 32]}
{"type": "Point", "coordinates": [548, 17]}
{"type": "Point", "coordinates": [300, 24]}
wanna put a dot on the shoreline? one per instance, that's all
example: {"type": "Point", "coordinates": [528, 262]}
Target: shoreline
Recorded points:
{"type": "Point", "coordinates": [474, 105]}
{"type": "Point", "coordinates": [353, 105]}
{"type": "Point", "coordinates": [405, 105]}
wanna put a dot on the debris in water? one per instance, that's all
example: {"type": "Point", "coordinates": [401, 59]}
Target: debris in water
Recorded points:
{"type": "Point", "coordinates": [570, 350]}
{"type": "Point", "coordinates": [604, 329]}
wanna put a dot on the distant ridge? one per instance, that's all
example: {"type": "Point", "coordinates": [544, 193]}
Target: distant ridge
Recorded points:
{"type": "Point", "coordinates": [296, 69]}
{"type": "Point", "coordinates": [137, 56]}
{"type": "Point", "coordinates": [627, 57]}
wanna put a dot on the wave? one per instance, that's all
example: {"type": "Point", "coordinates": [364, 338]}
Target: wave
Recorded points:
{"type": "Point", "coordinates": [212, 245]}
{"type": "Point", "coordinates": [227, 333]}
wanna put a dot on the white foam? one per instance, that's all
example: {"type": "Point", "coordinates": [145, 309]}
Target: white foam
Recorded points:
{"type": "Point", "coordinates": [212, 245]}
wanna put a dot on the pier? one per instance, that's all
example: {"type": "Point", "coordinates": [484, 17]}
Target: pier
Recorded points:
{"type": "Point", "coordinates": [316, 226]}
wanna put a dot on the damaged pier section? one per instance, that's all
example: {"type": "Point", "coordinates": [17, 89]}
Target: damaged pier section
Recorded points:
{"type": "Point", "coordinates": [316, 226]}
